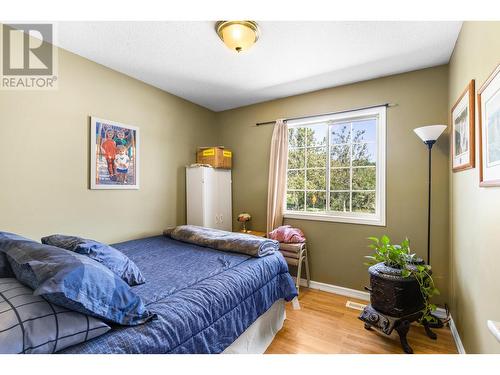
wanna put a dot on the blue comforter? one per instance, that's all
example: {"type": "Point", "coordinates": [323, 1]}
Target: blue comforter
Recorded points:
{"type": "Point", "coordinates": [204, 298]}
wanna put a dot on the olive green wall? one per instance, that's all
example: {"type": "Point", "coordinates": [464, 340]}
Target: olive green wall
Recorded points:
{"type": "Point", "coordinates": [44, 155]}
{"type": "Point", "coordinates": [336, 249]}
{"type": "Point", "coordinates": [475, 211]}
{"type": "Point", "coordinates": [44, 160]}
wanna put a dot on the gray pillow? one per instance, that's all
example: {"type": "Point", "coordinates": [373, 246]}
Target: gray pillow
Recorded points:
{"type": "Point", "coordinates": [30, 324]}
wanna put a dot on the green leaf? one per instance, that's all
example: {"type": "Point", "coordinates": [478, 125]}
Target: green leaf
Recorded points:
{"type": "Point", "coordinates": [385, 240]}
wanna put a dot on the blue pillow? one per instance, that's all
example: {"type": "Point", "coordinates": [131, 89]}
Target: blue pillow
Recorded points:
{"type": "Point", "coordinates": [76, 282]}
{"type": "Point", "coordinates": [110, 257]}
{"type": "Point", "coordinates": [5, 270]}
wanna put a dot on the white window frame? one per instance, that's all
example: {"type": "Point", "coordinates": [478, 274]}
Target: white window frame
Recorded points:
{"type": "Point", "coordinates": [379, 217]}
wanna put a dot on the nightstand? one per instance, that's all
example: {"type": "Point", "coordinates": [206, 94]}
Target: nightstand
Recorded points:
{"type": "Point", "coordinates": [254, 233]}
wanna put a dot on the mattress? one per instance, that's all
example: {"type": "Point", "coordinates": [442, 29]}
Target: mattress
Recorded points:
{"type": "Point", "coordinates": [204, 298]}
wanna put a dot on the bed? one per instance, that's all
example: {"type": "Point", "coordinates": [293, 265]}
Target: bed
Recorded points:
{"type": "Point", "coordinates": [207, 301]}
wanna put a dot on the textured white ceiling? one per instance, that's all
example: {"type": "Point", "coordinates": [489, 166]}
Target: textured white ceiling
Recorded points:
{"type": "Point", "coordinates": [187, 59]}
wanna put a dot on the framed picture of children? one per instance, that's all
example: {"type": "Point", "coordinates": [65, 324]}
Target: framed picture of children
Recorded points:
{"type": "Point", "coordinates": [114, 153]}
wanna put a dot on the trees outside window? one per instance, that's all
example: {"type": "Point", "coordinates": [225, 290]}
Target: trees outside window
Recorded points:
{"type": "Point", "coordinates": [334, 167]}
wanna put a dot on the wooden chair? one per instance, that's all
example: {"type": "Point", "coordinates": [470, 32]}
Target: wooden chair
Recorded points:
{"type": "Point", "coordinates": [295, 254]}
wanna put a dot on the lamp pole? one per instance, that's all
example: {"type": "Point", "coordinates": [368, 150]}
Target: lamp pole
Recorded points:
{"type": "Point", "coordinates": [429, 145]}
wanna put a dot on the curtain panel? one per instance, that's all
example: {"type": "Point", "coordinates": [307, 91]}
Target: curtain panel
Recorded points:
{"type": "Point", "coordinates": [277, 175]}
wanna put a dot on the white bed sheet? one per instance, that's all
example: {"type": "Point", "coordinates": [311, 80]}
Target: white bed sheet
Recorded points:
{"type": "Point", "coordinates": [257, 337]}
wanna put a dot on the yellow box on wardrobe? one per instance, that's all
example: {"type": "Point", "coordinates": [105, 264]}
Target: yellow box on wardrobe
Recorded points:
{"type": "Point", "coordinates": [217, 157]}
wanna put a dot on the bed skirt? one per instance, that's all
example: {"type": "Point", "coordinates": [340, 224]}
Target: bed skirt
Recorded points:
{"type": "Point", "coordinates": [261, 333]}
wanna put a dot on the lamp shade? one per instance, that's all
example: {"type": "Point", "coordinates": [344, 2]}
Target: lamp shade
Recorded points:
{"type": "Point", "coordinates": [429, 133]}
{"type": "Point", "coordinates": [238, 35]}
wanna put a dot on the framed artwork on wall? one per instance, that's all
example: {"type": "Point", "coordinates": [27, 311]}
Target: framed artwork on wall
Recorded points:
{"type": "Point", "coordinates": [462, 121]}
{"type": "Point", "coordinates": [488, 100]}
{"type": "Point", "coordinates": [114, 155]}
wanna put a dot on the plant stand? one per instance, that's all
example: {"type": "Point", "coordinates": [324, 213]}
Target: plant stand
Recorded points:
{"type": "Point", "coordinates": [386, 324]}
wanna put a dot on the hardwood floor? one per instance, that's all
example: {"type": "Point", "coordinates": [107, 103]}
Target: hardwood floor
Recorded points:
{"type": "Point", "coordinates": [325, 325]}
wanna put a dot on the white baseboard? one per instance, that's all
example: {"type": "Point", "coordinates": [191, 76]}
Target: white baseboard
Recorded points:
{"type": "Point", "coordinates": [456, 337]}
{"type": "Point", "coordinates": [441, 313]}
{"type": "Point", "coordinates": [335, 289]}
{"type": "Point", "coordinates": [365, 296]}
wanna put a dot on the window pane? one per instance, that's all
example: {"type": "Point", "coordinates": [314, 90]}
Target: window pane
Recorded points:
{"type": "Point", "coordinates": [316, 157]}
{"type": "Point", "coordinates": [363, 202]}
{"type": "Point", "coordinates": [340, 133]}
{"type": "Point", "coordinates": [339, 201]}
{"type": "Point", "coordinates": [339, 156]}
{"type": "Point", "coordinates": [364, 154]}
{"type": "Point", "coordinates": [315, 201]}
{"type": "Point", "coordinates": [339, 179]}
{"type": "Point", "coordinates": [296, 180]}
{"type": "Point", "coordinates": [364, 131]}
{"type": "Point", "coordinates": [296, 158]}
{"type": "Point", "coordinates": [316, 135]}
{"type": "Point", "coordinates": [316, 179]}
{"type": "Point", "coordinates": [295, 201]}
{"type": "Point", "coordinates": [333, 165]}
{"type": "Point", "coordinates": [296, 137]}
{"type": "Point", "coordinates": [363, 178]}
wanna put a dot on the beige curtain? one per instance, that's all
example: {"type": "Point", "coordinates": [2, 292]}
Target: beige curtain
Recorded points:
{"type": "Point", "coordinates": [277, 175]}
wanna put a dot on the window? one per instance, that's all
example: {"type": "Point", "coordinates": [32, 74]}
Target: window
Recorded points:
{"type": "Point", "coordinates": [336, 167]}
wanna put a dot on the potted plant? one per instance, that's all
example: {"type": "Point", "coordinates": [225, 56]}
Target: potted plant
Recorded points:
{"type": "Point", "coordinates": [400, 282]}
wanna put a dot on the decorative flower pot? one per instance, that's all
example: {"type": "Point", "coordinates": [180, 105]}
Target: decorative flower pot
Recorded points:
{"type": "Point", "coordinates": [391, 293]}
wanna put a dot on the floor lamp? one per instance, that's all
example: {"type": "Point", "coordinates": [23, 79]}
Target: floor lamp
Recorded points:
{"type": "Point", "coordinates": [429, 135]}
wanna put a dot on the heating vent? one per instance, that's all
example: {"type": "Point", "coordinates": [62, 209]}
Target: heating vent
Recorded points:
{"type": "Point", "coordinates": [355, 305]}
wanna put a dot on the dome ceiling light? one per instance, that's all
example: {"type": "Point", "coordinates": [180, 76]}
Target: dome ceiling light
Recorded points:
{"type": "Point", "coordinates": [238, 35]}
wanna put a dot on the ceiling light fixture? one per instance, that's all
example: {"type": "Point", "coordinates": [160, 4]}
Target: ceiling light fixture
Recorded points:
{"type": "Point", "coordinates": [238, 35]}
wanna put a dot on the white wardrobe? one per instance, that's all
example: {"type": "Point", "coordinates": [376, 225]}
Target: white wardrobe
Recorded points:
{"type": "Point", "coordinates": [208, 197]}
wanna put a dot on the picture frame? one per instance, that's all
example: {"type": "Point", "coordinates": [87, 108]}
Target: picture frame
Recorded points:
{"type": "Point", "coordinates": [114, 155]}
{"type": "Point", "coordinates": [488, 99]}
{"type": "Point", "coordinates": [462, 119]}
